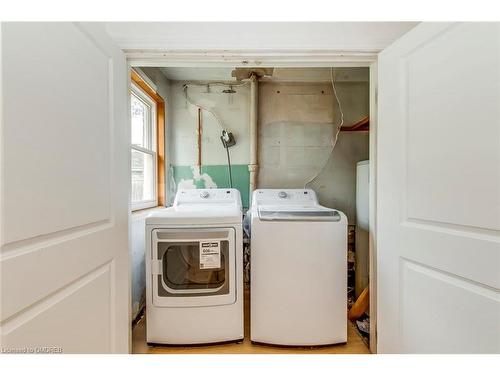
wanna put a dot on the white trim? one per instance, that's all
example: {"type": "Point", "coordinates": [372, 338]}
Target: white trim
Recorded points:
{"type": "Point", "coordinates": [145, 78]}
{"type": "Point", "coordinates": [142, 95]}
{"type": "Point", "coordinates": [372, 206]}
{"type": "Point", "coordinates": [143, 205]}
{"type": "Point", "coordinates": [166, 58]}
{"type": "Point", "coordinates": [144, 150]}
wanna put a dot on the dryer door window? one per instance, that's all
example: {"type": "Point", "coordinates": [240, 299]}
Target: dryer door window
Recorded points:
{"type": "Point", "coordinates": [193, 267]}
{"type": "Point", "coordinates": [182, 271]}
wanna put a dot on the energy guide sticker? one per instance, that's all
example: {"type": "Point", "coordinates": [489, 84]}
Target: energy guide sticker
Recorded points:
{"type": "Point", "coordinates": [209, 255]}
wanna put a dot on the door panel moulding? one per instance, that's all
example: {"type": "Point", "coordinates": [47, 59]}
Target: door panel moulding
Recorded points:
{"type": "Point", "coordinates": [175, 58]}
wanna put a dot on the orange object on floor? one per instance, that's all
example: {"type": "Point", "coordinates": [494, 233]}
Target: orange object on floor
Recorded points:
{"type": "Point", "coordinates": [360, 306]}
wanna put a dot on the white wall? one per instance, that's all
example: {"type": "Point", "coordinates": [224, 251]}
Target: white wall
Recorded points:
{"type": "Point", "coordinates": [345, 36]}
{"type": "Point", "coordinates": [138, 265]}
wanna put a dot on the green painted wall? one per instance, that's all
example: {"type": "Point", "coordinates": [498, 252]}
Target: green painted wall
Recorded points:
{"type": "Point", "coordinates": [219, 175]}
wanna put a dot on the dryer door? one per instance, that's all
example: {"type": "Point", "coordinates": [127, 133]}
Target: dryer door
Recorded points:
{"type": "Point", "coordinates": [193, 267]}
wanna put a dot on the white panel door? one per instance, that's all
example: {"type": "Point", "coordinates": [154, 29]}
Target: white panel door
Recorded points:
{"type": "Point", "coordinates": [64, 190]}
{"type": "Point", "coordinates": [438, 186]}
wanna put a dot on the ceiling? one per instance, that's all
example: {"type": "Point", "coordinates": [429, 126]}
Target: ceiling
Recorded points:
{"type": "Point", "coordinates": [257, 36]}
{"type": "Point", "coordinates": [279, 74]}
{"type": "Point", "coordinates": [198, 74]}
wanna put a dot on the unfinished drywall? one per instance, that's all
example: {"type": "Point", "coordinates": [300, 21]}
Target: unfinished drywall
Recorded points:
{"type": "Point", "coordinates": [233, 111]}
{"type": "Point", "coordinates": [296, 126]}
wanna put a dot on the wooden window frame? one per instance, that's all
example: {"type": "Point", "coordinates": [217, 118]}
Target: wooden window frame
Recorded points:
{"type": "Point", "coordinates": [160, 135]}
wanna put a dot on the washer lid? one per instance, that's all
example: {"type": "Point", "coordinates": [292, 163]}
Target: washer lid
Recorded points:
{"type": "Point", "coordinates": [298, 213]}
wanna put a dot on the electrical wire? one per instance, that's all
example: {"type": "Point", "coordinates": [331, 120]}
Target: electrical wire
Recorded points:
{"type": "Point", "coordinates": [335, 137]}
{"type": "Point", "coordinates": [224, 143]}
{"type": "Point", "coordinates": [229, 166]}
{"type": "Point", "coordinates": [188, 99]}
{"type": "Point", "coordinates": [219, 121]}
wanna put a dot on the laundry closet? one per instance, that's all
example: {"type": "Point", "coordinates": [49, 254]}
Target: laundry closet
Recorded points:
{"type": "Point", "coordinates": [160, 109]}
{"type": "Point", "coordinates": [263, 128]}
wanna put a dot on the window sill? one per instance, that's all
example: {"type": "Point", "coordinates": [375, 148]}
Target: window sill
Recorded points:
{"type": "Point", "coordinates": [142, 213]}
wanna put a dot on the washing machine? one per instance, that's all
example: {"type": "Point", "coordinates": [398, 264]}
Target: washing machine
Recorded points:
{"type": "Point", "coordinates": [194, 269]}
{"type": "Point", "coordinates": [298, 291]}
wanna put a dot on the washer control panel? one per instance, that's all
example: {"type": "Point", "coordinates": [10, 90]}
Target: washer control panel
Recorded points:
{"type": "Point", "coordinates": [284, 196]}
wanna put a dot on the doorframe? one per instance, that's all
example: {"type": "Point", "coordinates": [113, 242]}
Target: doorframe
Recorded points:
{"type": "Point", "coordinates": [291, 59]}
{"type": "Point", "coordinates": [249, 58]}
{"type": "Point", "coordinates": [372, 205]}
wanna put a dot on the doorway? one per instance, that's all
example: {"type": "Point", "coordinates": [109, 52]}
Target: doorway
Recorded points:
{"type": "Point", "coordinates": [183, 174]}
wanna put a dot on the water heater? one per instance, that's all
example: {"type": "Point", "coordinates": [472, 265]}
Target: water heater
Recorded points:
{"type": "Point", "coordinates": [362, 192]}
{"type": "Point", "coordinates": [362, 238]}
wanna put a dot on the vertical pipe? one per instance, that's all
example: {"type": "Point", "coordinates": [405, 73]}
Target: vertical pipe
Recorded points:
{"type": "Point", "coordinates": [199, 140]}
{"type": "Point", "coordinates": [253, 167]}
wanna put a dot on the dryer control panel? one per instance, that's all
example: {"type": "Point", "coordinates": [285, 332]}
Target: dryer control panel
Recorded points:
{"type": "Point", "coordinates": [211, 196]}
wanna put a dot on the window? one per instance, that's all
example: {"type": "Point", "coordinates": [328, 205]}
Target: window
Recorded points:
{"type": "Point", "coordinates": [143, 149]}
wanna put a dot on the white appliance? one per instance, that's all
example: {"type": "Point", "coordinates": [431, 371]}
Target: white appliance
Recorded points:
{"type": "Point", "coordinates": [362, 226]}
{"type": "Point", "coordinates": [194, 269]}
{"type": "Point", "coordinates": [298, 269]}
{"type": "Point", "coordinates": [362, 193]}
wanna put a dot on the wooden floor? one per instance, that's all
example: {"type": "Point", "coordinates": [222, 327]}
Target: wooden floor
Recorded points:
{"type": "Point", "coordinates": [355, 344]}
